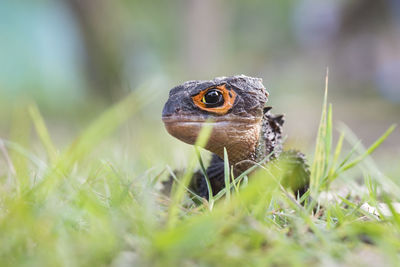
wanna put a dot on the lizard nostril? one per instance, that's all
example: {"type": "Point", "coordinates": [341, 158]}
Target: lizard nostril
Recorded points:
{"type": "Point", "coordinates": [177, 109]}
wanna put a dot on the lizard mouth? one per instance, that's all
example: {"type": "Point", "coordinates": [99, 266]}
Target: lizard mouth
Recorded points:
{"type": "Point", "coordinates": [182, 119]}
{"type": "Point", "coordinates": [226, 130]}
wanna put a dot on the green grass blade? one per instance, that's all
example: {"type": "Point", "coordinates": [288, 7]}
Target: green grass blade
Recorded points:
{"type": "Point", "coordinates": [204, 171]}
{"type": "Point", "coordinates": [370, 149]}
{"type": "Point", "coordinates": [350, 154]}
{"type": "Point", "coordinates": [241, 177]}
{"type": "Point", "coordinates": [105, 125]}
{"type": "Point", "coordinates": [337, 153]}
{"type": "Point", "coordinates": [332, 171]}
{"type": "Point", "coordinates": [388, 184]}
{"type": "Point", "coordinates": [318, 165]}
{"type": "Point", "coordinates": [42, 132]}
{"type": "Point", "coordinates": [7, 158]}
{"type": "Point", "coordinates": [171, 172]}
{"type": "Point", "coordinates": [178, 195]}
{"type": "Point", "coordinates": [92, 136]}
{"type": "Point", "coordinates": [328, 138]}
{"type": "Point", "coordinates": [227, 176]}
{"type": "Point", "coordinates": [20, 133]}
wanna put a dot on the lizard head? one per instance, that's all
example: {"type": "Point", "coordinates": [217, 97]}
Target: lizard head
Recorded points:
{"type": "Point", "coordinates": [233, 105]}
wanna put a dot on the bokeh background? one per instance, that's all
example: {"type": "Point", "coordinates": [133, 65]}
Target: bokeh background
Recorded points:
{"type": "Point", "coordinates": [75, 58]}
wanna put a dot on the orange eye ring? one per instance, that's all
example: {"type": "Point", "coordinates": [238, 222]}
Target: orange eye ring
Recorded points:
{"type": "Point", "coordinates": [229, 96]}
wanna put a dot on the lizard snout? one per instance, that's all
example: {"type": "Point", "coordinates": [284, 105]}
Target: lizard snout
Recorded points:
{"type": "Point", "coordinates": [170, 109]}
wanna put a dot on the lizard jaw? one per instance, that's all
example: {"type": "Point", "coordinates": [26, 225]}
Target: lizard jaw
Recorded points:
{"type": "Point", "coordinates": [239, 137]}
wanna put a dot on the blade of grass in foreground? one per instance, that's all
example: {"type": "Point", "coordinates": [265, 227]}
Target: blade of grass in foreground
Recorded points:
{"type": "Point", "coordinates": [171, 172]}
{"type": "Point", "coordinates": [105, 125]}
{"type": "Point", "coordinates": [368, 163]}
{"type": "Point", "coordinates": [42, 132]}
{"type": "Point", "coordinates": [241, 177]}
{"type": "Point", "coordinates": [179, 193]}
{"type": "Point", "coordinates": [204, 171]}
{"type": "Point", "coordinates": [335, 160]}
{"type": "Point", "coordinates": [185, 237]}
{"type": "Point", "coordinates": [370, 149]}
{"type": "Point", "coordinates": [328, 138]}
{"type": "Point", "coordinates": [323, 141]}
{"type": "Point", "coordinates": [227, 176]}
{"type": "Point", "coordinates": [97, 131]}
{"type": "Point", "coordinates": [20, 134]}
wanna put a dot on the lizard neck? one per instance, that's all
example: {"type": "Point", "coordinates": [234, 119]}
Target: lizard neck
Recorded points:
{"type": "Point", "coordinates": [268, 143]}
{"type": "Point", "coordinates": [240, 142]}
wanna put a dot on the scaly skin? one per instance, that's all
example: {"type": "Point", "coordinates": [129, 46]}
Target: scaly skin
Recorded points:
{"type": "Point", "coordinates": [241, 123]}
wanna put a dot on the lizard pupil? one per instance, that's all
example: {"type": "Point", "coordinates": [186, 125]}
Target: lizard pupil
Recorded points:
{"type": "Point", "coordinates": [213, 98]}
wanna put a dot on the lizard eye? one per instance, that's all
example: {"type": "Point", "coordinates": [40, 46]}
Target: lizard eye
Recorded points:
{"type": "Point", "coordinates": [213, 98]}
{"type": "Point", "coordinates": [218, 99]}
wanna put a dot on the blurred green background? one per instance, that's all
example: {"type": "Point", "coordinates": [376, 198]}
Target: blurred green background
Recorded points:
{"type": "Point", "coordinates": [74, 58]}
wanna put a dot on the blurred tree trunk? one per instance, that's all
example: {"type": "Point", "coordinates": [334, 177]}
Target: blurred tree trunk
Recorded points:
{"type": "Point", "coordinates": [98, 23]}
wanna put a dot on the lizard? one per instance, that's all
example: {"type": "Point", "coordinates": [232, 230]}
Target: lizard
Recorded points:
{"type": "Point", "coordinates": [241, 123]}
